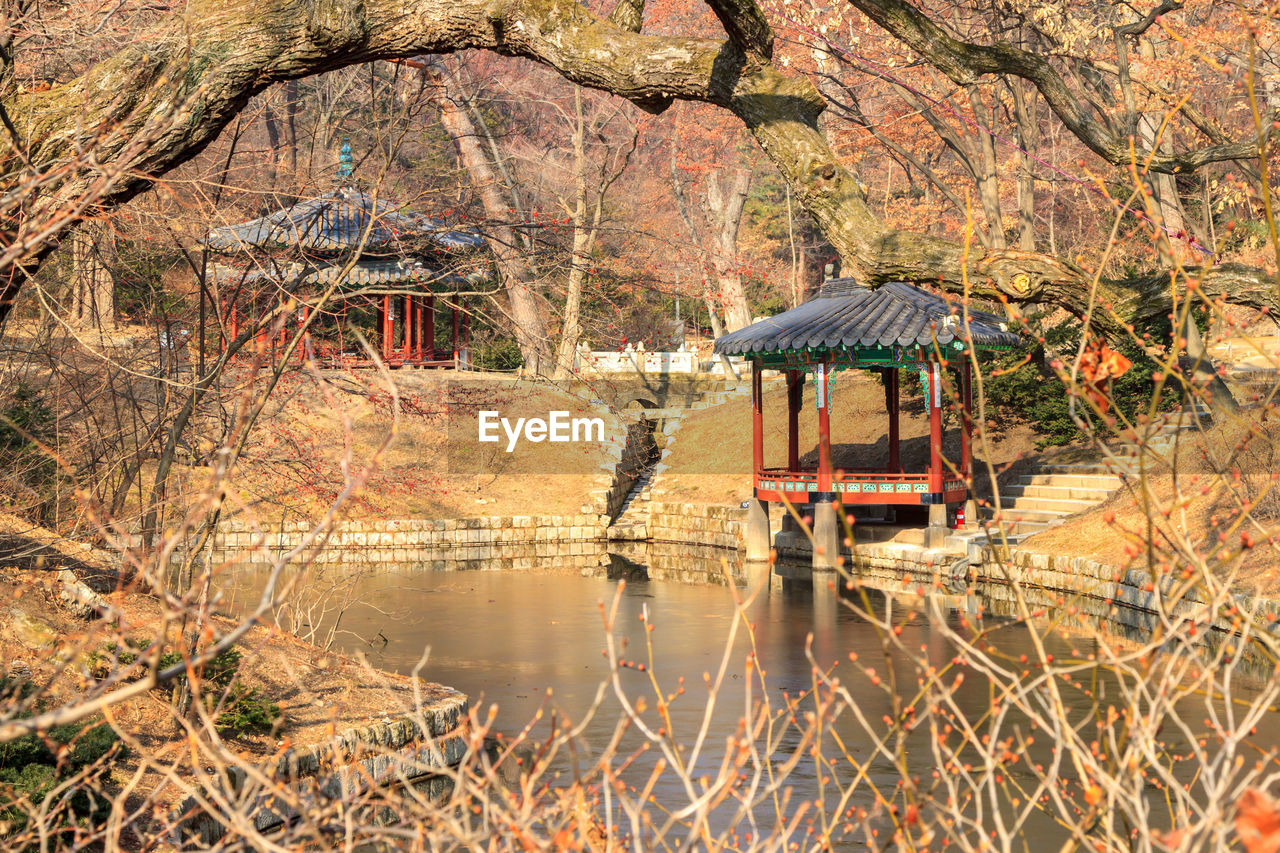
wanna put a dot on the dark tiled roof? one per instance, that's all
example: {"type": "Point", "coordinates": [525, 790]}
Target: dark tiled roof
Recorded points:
{"type": "Point", "coordinates": [848, 314]}
{"type": "Point", "coordinates": [336, 221]}
{"type": "Point", "coordinates": [373, 272]}
{"type": "Point", "coordinates": [364, 273]}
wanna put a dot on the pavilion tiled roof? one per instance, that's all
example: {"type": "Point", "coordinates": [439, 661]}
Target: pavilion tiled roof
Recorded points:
{"type": "Point", "coordinates": [367, 273]}
{"type": "Point", "coordinates": [848, 314]}
{"type": "Point", "coordinates": [336, 221]}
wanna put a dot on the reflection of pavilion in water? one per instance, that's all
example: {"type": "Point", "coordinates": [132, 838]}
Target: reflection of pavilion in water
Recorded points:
{"type": "Point", "coordinates": [388, 274]}
{"type": "Point", "coordinates": [946, 587]}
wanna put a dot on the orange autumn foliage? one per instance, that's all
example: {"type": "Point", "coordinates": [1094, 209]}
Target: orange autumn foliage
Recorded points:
{"type": "Point", "coordinates": [1258, 822]}
{"type": "Point", "coordinates": [1098, 366]}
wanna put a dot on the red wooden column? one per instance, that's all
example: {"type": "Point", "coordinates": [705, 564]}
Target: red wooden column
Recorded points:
{"type": "Point", "coordinates": [891, 406]}
{"type": "Point", "coordinates": [429, 334]}
{"type": "Point", "coordinates": [407, 337]}
{"type": "Point", "coordinates": [418, 313]}
{"type": "Point", "coordinates": [466, 333]}
{"type": "Point", "coordinates": [455, 336]}
{"type": "Point", "coordinates": [388, 325]}
{"type": "Point", "coordinates": [822, 388]}
{"type": "Point", "coordinates": [966, 419]}
{"type": "Point", "coordinates": [262, 339]}
{"type": "Point", "coordinates": [934, 395]}
{"type": "Point", "coordinates": [306, 336]}
{"type": "Point", "coordinates": [935, 534]}
{"type": "Point", "coordinates": [410, 327]}
{"type": "Point", "coordinates": [757, 420]}
{"type": "Point", "coordinates": [795, 392]}
{"type": "Point", "coordinates": [224, 321]}
{"type": "Point", "coordinates": [757, 534]}
{"type": "Point", "coordinates": [826, 524]}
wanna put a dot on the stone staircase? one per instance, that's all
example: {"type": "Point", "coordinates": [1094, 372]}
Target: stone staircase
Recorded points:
{"type": "Point", "coordinates": [1053, 491]}
{"type": "Point", "coordinates": [632, 520]}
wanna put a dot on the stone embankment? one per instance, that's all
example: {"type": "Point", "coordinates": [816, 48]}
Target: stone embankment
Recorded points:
{"type": "Point", "coordinates": [413, 747]}
{"type": "Point", "coordinates": [517, 540]}
{"type": "Point", "coordinates": [1079, 591]}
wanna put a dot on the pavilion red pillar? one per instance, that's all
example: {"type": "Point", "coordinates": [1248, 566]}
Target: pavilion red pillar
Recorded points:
{"type": "Point", "coordinates": [795, 392]}
{"type": "Point", "coordinates": [891, 406]}
{"type": "Point", "coordinates": [966, 420]}
{"type": "Point", "coordinates": [407, 336]}
{"type": "Point", "coordinates": [466, 337]}
{"type": "Point", "coordinates": [419, 308]}
{"type": "Point", "coordinates": [224, 321]}
{"type": "Point", "coordinates": [822, 387]}
{"type": "Point", "coordinates": [455, 336]}
{"type": "Point", "coordinates": [429, 335]}
{"type": "Point", "coordinates": [388, 324]}
{"type": "Point", "coordinates": [757, 533]}
{"type": "Point", "coordinates": [410, 327]}
{"type": "Point", "coordinates": [935, 427]}
{"type": "Point", "coordinates": [306, 336]}
{"type": "Point", "coordinates": [262, 338]}
{"type": "Point", "coordinates": [936, 533]}
{"type": "Point", "coordinates": [757, 420]}
{"type": "Point", "coordinates": [826, 524]}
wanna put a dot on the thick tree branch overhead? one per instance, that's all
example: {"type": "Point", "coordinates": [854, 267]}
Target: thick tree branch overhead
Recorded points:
{"type": "Point", "coordinates": [965, 62]}
{"type": "Point", "coordinates": [103, 137]}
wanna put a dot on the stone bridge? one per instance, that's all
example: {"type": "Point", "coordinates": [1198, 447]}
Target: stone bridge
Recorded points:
{"type": "Point", "coordinates": [658, 391]}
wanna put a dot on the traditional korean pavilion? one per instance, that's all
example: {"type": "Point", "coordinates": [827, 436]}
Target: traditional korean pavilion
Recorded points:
{"type": "Point", "coordinates": [890, 328]}
{"type": "Point", "coordinates": [386, 268]}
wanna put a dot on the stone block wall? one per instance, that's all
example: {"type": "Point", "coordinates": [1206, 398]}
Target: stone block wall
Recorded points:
{"type": "Point", "coordinates": [1079, 591]}
{"type": "Point", "coordinates": [409, 747]}
{"type": "Point", "coordinates": [699, 524]}
{"type": "Point", "coordinates": [416, 542]}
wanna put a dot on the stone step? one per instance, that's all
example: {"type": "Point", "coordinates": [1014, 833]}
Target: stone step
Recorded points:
{"type": "Point", "coordinates": [1057, 492]}
{"type": "Point", "coordinates": [1099, 482]}
{"type": "Point", "coordinates": [628, 531]}
{"type": "Point", "coordinates": [1011, 515]}
{"type": "Point", "coordinates": [1103, 468]}
{"type": "Point", "coordinates": [1064, 506]}
{"type": "Point", "coordinates": [1017, 529]}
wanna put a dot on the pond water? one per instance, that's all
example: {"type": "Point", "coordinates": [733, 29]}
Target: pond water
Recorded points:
{"type": "Point", "coordinates": [530, 639]}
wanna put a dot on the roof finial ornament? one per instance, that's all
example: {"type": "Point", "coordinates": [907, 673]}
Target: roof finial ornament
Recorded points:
{"type": "Point", "coordinates": [346, 163]}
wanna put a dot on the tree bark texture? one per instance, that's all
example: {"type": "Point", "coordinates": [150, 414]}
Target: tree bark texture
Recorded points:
{"type": "Point", "coordinates": [102, 137]}
{"type": "Point", "coordinates": [584, 238]}
{"type": "Point", "coordinates": [724, 211]}
{"type": "Point", "coordinates": [92, 303]}
{"type": "Point", "coordinates": [517, 278]}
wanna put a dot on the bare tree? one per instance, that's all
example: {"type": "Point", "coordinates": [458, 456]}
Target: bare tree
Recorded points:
{"type": "Point", "coordinates": [101, 135]}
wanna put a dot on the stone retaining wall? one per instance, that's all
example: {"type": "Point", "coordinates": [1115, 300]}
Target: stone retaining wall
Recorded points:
{"type": "Point", "coordinates": [512, 541]}
{"type": "Point", "coordinates": [352, 762]}
{"type": "Point", "coordinates": [1078, 590]}
{"type": "Point", "coordinates": [412, 542]}
{"type": "Point", "coordinates": [698, 524]}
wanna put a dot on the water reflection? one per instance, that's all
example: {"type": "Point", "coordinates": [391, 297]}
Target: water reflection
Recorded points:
{"type": "Point", "coordinates": [533, 634]}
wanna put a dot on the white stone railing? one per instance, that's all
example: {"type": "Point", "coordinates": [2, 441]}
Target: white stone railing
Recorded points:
{"type": "Point", "coordinates": [638, 361]}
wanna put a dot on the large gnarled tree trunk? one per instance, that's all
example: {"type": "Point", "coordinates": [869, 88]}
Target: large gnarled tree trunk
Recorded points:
{"type": "Point", "coordinates": [517, 277]}
{"type": "Point", "coordinates": [168, 93]}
